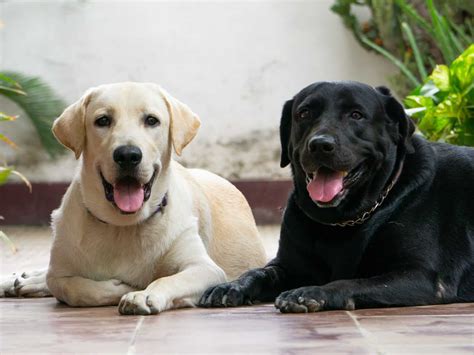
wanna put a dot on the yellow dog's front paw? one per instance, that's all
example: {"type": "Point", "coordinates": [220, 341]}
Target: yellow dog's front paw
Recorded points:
{"type": "Point", "coordinates": [140, 303]}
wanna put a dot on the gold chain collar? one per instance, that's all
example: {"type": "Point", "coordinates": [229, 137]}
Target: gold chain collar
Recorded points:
{"type": "Point", "coordinates": [367, 214]}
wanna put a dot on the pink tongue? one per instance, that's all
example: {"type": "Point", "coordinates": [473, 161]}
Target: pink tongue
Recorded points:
{"type": "Point", "coordinates": [325, 185]}
{"type": "Point", "coordinates": [128, 196]}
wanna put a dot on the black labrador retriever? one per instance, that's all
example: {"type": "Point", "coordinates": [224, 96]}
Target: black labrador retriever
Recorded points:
{"type": "Point", "coordinates": [378, 216]}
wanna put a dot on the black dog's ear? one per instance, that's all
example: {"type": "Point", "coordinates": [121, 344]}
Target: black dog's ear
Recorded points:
{"type": "Point", "coordinates": [383, 90]}
{"type": "Point", "coordinates": [394, 109]}
{"type": "Point", "coordinates": [285, 132]}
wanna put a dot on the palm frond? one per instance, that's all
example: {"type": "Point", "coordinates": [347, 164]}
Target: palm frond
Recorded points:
{"type": "Point", "coordinates": [40, 104]}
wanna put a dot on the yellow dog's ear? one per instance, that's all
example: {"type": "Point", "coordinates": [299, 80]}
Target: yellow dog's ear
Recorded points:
{"type": "Point", "coordinates": [69, 128]}
{"type": "Point", "coordinates": [184, 123]}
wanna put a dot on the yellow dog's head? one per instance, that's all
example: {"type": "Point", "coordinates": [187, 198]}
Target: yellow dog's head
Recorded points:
{"type": "Point", "coordinates": [125, 133]}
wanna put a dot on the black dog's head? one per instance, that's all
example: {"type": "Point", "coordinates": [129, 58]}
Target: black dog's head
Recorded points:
{"type": "Point", "coordinates": [343, 140]}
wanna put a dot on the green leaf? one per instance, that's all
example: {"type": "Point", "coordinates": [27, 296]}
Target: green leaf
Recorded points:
{"type": "Point", "coordinates": [429, 89]}
{"type": "Point", "coordinates": [469, 131]}
{"type": "Point", "coordinates": [25, 180]}
{"type": "Point", "coordinates": [441, 33]}
{"type": "Point", "coordinates": [4, 174]}
{"type": "Point", "coordinates": [5, 117]}
{"type": "Point", "coordinates": [416, 51]}
{"type": "Point", "coordinates": [440, 124]}
{"type": "Point", "coordinates": [41, 105]}
{"type": "Point", "coordinates": [7, 240]}
{"type": "Point", "coordinates": [461, 32]}
{"type": "Point", "coordinates": [440, 77]}
{"type": "Point", "coordinates": [418, 101]}
{"type": "Point", "coordinates": [415, 16]}
{"type": "Point", "coordinates": [6, 89]}
{"type": "Point", "coordinates": [450, 107]}
{"type": "Point", "coordinates": [7, 140]}
{"type": "Point", "coordinates": [9, 81]}
{"type": "Point", "coordinates": [424, 109]}
{"type": "Point", "coordinates": [394, 60]}
{"type": "Point", "coordinates": [462, 70]}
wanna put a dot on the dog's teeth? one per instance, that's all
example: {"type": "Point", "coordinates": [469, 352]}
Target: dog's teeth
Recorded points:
{"type": "Point", "coordinates": [345, 173]}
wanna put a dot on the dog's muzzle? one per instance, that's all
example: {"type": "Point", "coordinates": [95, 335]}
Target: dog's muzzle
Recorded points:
{"type": "Point", "coordinates": [127, 194]}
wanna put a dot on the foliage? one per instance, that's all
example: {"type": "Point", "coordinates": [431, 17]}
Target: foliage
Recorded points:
{"type": "Point", "coordinates": [9, 86]}
{"type": "Point", "coordinates": [6, 240]}
{"type": "Point", "coordinates": [412, 34]}
{"type": "Point", "coordinates": [38, 101]}
{"type": "Point", "coordinates": [444, 105]}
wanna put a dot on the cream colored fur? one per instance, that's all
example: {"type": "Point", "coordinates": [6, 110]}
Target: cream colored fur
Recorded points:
{"type": "Point", "coordinates": [145, 263]}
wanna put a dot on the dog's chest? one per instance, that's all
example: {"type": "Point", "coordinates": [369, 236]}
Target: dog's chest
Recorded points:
{"type": "Point", "coordinates": [131, 254]}
{"type": "Point", "coordinates": [354, 252]}
{"type": "Point", "coordinates": [340, 254]}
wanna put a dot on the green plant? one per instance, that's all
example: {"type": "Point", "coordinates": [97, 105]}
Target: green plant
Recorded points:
{"type": "Point", "coordinates": [38, 101]}
{"type": "Point", "coordinates": [8, 85]}
{"type": "Point", "coordinates": [413, 34]}
{"type": "Point", "coordinates": [444, 105]}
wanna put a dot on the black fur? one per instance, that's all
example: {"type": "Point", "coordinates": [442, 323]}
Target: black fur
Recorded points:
{"type": "Point", "coordinates": [418, 246]}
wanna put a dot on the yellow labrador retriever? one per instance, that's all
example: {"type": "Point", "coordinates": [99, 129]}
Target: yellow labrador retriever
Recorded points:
{"type": "Point", "coordinates": [135, 228]}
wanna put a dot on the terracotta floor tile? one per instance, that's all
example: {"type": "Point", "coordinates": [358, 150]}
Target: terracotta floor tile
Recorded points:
{"type": "Point", "coordinates": [32, 243]}
{"type": "Point", "coordinates": [421, 332]}
{"type": "Point", "coordinates": [444, 309]}
{"type": "Point", "coordinates": [45, 326]}
{"type": "Point", "coordinates": [249, 330]}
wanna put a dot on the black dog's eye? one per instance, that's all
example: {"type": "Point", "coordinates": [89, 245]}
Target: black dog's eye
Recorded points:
{"type": "Point", "coordinates": [303, 114]}
{"type": "Point", "coordinates": [151, 121]}
{"type": "Point", "coordinates": [103, 121]}
{"type": "Point", "coordinates": [356, 115]}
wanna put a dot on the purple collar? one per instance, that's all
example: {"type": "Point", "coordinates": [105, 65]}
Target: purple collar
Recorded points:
{"type": "Point", "coordinates": [159, 208]}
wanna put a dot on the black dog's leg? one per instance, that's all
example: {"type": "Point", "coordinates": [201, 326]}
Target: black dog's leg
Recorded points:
{"type": "Point", "coordinates": [408, 288]}
{"type": "Point", "coordinates": [261, 285]}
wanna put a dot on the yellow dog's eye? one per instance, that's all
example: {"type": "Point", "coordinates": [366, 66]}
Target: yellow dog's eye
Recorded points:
{"type": "Point", "coordinates": [151, 121]}
{"type": "Point", "coordinates": [103, 121]}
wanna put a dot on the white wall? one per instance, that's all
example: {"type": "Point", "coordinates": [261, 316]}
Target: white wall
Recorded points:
{"type": "Point", "coordinates": [232, 62]}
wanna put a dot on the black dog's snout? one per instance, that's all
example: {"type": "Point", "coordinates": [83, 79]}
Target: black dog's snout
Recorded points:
{"type": "Point", "coordinates": [127, 156]}
{"type": "Point", "coordinates": [322, 144]}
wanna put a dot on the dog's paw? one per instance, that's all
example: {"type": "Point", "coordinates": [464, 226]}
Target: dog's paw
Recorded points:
{"type": "Point", "coordinates": [31, 285]}
{"type": "Point", "coordinates": [140, 303]}
{"type": "Point", "coordinates": [230, 294]}
{"type": "Point", "coordinates": [28, 284]}
{"type": "Point", "coordinates": [302, 300]}
{"type": "Point", "coordinates": [7, 286]}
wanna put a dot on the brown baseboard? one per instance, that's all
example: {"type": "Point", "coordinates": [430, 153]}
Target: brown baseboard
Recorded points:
{"type": "Point", "coordinates": [17, 206]}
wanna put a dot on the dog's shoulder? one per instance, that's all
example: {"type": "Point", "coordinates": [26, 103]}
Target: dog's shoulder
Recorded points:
{"type": "Point", "coordinates": [454, 160]}
{"type": "Point", "coordinates": [447, 169]}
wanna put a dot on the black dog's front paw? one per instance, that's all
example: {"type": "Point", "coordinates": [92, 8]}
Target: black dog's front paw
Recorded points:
{"type": "Point", "coordinates": [230, 294]}
{"type": "Point", "coordinates": [302, 300]}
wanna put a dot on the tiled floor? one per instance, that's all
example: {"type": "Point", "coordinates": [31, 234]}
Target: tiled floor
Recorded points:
{"type": "Point", "coordinates": [44, 326]}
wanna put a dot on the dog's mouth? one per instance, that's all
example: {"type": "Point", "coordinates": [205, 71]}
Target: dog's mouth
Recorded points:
{"type": "Point", "coordinates": [128, 194]}
{"type": "Point", "coordinates": [328, 187]}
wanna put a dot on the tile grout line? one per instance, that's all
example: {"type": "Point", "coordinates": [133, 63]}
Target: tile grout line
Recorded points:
{"type": "Point", "coordinates": [366, 334]}
{"type": "Point", "coordinates": [131, 346]}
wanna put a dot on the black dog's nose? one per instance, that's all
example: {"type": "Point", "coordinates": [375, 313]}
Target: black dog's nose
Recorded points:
{"type": "Point", "coordinates": [127, 156]}
{"type": "Point", "coordinates": [322, 143]}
